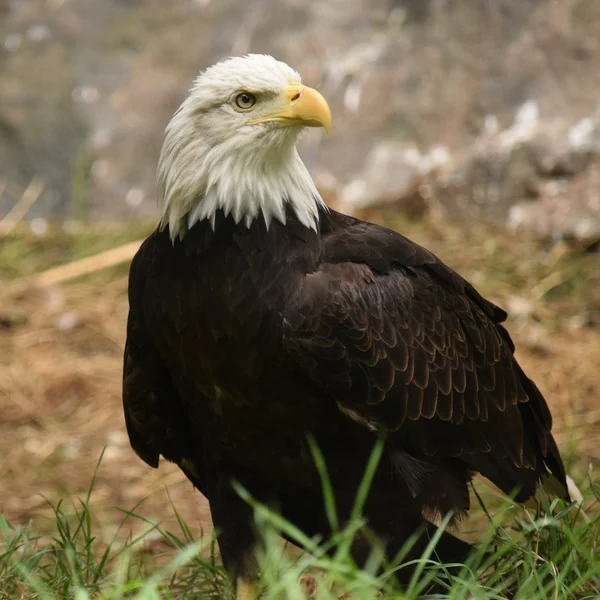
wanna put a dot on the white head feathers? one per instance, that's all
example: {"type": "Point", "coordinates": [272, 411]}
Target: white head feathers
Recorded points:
{"type": "Point", "coordinates": [240, 156]}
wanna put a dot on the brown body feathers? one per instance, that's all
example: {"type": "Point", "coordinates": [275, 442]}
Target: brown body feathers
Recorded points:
{"type": "Point", "coordinates": [242, 340]}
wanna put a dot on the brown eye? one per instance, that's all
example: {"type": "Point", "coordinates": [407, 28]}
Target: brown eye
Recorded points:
{"type": "Point", "coordinates": [245, 100]}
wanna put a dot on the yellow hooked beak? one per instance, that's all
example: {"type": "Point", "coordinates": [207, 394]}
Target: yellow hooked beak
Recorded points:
{"type": "Point", "coordinates": [303, 106]}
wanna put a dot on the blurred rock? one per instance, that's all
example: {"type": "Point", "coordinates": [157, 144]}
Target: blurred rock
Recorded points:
{"type": "Point", "coordinates": [536, 338]}
{"type": "Point", "coordinates": [566, 202]}
{"type": "Point", "coordinates": [393, 174]}
{"type": "Point", "coordinates": [542, 179]}
{"type": "Point", "coordinates": [487, 109]}
{"type": "Point", "coordinates": [519, 308]}
{"type": "Point", "coordinates": [67, 321]}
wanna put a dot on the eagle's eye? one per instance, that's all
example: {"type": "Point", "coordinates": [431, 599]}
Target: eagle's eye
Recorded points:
{"type": "Point", "coordinates": [245, 100]}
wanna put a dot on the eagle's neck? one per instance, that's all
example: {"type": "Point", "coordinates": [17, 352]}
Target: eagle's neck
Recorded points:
{"type": "Point", "coordinates": [196, 181]}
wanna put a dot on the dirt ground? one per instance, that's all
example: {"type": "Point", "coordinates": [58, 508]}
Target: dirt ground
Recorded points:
{"type": "Point", "coordinates": [61, 352]}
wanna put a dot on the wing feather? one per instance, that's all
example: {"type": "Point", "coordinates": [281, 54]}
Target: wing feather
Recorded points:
{"type": "Point", "coordinates": [426, 357]}
{"type": "Point", "coordinates": [154, 416]}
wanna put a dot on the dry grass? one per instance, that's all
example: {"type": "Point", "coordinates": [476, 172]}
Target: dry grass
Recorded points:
{"type": "Point", "coordinates": [60, 380]}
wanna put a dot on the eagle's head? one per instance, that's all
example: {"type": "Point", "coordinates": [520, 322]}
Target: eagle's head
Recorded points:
{"type": "Point", "coordinates": [232, 146]}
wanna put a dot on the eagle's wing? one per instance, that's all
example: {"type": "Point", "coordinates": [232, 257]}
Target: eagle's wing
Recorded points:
{"type": "Point", "coordinates": [404, 344]}
{"type": "Point", "coordinates": [154, 416]}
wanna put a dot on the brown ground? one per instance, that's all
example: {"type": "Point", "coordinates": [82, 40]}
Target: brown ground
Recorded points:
{"type": "Point", "coordinates": [61, 349]}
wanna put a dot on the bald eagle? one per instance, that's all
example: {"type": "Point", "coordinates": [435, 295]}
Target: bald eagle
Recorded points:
{"type": "Point", "coordinates": [258, 316]}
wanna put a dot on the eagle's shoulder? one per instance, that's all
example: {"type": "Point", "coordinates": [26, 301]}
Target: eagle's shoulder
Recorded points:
{"type": "Point", "coordinates": [348, 239]}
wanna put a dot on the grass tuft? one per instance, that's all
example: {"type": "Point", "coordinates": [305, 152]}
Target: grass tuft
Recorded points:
{"type": "Point", "coordinates": [550, 553]}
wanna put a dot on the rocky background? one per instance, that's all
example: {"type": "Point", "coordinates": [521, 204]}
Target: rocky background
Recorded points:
{"type": "Point", "coordinates": [482, 109]}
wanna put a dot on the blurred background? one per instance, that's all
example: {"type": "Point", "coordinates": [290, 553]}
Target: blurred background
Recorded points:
{"type": "Point", "coordinates": [471, 126]}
